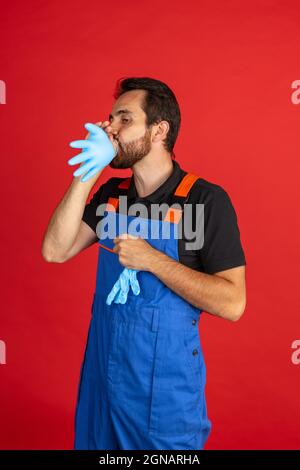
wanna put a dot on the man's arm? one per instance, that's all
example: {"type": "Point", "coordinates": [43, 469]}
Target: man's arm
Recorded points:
{"type": "Point", "coordinates": [67, 234]}
{"type": "Point", "coordinates": [220, 289]}
{"type": "Point", "coordinates": [222, 293]}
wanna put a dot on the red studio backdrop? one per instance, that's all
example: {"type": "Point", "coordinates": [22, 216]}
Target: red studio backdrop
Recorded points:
{"type": "Point", "coordinates": [235, 71]}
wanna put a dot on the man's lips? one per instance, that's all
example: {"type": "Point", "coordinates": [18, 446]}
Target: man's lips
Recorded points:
{"type": "Point", "coordinates": [117, 147]}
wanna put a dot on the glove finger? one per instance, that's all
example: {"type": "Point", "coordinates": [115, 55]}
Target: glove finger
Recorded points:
{"type": "Point", "coordinates": [125, 274]}
{"type": "Point", "coordinates": [135, 286]}
{"type": "Point", "coordinates": [78, 144]}
{"type": "Point", "coordinates": [81, 157]}
{"type": "Point", "coordinates": [84, 168]}
{"type": "Point", "coordinates": [124, 287]}
{"type": "Point", "coordinates": [91, 173]}
{"type": "Point", "coordinates": [92, 128]}
{"type": "Point", "coordinates": [110, 298]}
{"type": "Point", "coordinates": [124, 282]}
{"type": "Point", "coordinates": [121, 297]}
{"type": "Point", "coordinates": [113, 292]}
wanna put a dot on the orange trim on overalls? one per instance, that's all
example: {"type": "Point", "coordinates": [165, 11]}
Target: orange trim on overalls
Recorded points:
{"type": "Point", "coordinates": [186, 184]}
{"type": "Point", "coordinates": [174, 215]}
{"type": "Point", "coordinates": [114, 202]}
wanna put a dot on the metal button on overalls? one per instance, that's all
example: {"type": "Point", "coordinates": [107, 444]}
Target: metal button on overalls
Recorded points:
{"type": "Point", "coordinates": [139, 387]}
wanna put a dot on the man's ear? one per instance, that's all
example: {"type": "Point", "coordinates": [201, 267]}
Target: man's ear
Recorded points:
{"type": "Point", "coordinates": [160, 131]}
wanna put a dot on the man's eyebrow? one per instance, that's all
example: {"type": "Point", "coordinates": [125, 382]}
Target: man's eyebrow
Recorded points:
{"type": "Point", "coordinates": [121, 111]}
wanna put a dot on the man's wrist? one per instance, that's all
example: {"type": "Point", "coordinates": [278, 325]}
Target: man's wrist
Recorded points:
{"type": "Point", "coordinates": [82, 187]}
{"type": "Point", "coordinates": [156, 261]}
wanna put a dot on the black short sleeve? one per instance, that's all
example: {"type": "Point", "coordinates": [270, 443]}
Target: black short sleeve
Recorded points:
{"type": "Point", "coordinates": [89, 214]}
{"type": "Point", "coordinates": [222, 248]}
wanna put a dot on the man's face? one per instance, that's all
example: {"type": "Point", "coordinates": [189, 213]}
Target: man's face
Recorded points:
{"type": "Point", "coordinates": [129, 128]}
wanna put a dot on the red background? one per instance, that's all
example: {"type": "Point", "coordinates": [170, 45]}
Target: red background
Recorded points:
{"type": "Point", "coordinates": [231, 66]}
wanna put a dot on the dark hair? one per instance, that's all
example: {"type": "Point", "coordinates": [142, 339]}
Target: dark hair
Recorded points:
{"type": "Point", "coordinates": [160, 104]}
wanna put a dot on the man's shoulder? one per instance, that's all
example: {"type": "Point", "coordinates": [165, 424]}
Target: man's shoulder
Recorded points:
{"type": "Point", "coordinates": [205, 191]}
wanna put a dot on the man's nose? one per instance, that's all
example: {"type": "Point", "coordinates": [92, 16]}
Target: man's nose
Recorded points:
{"type": "Point", "coordinates": [112, 128]}
{"type": "Point", "coordinates": [114, 131]}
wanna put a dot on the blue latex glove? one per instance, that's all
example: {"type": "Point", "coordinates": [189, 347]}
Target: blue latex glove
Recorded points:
{"type": "Point", "coordinates": [98, 151]}
{"type": "Point", "coordinates": [120, 290]}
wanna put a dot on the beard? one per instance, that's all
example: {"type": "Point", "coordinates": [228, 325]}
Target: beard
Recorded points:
{"type": "Point", "coordinates": [132, 152]}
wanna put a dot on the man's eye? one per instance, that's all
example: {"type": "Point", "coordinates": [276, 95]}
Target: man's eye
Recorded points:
{"type": "Point", "coordinates": [123, 120]}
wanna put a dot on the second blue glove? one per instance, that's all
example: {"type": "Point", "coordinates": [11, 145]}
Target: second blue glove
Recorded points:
{"type": "Point", "coordinates": [120, 290]}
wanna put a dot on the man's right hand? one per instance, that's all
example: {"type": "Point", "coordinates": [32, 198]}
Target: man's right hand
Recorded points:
{"type": "Point", "coordinates": [99, 148]}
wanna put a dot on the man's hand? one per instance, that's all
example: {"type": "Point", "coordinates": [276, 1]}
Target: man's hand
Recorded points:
{"type": "Point", "coordinates": [98, 149]}
{"type": "Point", "coordinates": [135, 252]}
{"type": "Point", "coordinates": [221, 294]}
{"type": "Point", "coordinates": [105, 125]}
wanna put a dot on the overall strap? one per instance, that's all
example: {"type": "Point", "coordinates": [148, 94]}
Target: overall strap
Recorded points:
{"type": "Point", "coordinates": [180, 195]}
{"type": "Point", "coordinates": [119, 190]}
{"type": "Point", "coordinates": [112, 204]}
{"type": "Point", "coordinates": [186, 185]}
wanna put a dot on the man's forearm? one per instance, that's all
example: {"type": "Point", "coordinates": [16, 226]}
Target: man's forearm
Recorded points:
{"type": "Point", "coordinates": [64, 223]}
{"type": "Point", "coordinates": [207, 292]}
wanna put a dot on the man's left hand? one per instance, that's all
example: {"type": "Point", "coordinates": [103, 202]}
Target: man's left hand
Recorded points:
{"type": "Point", "coordinates": [135, 252]}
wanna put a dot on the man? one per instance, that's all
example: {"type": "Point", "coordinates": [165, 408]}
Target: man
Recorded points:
{"type": "Point", "coordinates": [142, 381]}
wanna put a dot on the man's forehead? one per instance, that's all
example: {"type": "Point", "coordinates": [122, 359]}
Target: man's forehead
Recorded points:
{"type": "Point", "coordinates": [123, 110]}
{"type": "Point", "coordinates": [128, 103]}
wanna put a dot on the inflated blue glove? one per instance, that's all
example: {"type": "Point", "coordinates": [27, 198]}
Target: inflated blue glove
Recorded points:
{"type": "Point", "coordinates": [120, 290]}
{"type": "Point", "coordinates": [98, 151]}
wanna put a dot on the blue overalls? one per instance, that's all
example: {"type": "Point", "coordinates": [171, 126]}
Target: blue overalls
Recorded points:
{"type": "Point", "coordinates": [142, 380]}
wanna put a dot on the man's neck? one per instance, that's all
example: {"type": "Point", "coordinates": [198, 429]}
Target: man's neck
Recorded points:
{"type": "Point", "coordinates": [150, 174]}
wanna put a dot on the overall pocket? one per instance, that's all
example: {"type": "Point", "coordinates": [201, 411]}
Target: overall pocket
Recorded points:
{"type": "Point", "coordinates": [176, 396]}
{"type": "Point", "coordinates": [131, 357]}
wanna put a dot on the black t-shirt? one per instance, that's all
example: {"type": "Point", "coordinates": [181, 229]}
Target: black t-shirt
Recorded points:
{"type": "Point", "coordinates": [222, 248]}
